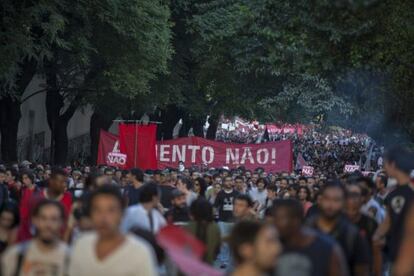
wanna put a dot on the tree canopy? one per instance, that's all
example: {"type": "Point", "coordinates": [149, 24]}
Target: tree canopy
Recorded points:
{"type": "Point", "coordinates": [348, 63]}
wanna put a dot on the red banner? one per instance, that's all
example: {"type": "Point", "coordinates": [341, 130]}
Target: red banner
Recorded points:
{"type": "Point", "coordinates": [108, 151]}
{"type": "Point", "coordinates": [272, 156]}
{"type": "Point", "coordinates": [138, 142]}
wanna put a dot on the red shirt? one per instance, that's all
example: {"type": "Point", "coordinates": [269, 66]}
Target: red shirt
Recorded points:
{"type": "Point", "coordinates": [29, 199]}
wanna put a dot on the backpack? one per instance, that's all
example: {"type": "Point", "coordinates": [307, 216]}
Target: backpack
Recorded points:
{"type": "Point", "coordinates": [22, 249]}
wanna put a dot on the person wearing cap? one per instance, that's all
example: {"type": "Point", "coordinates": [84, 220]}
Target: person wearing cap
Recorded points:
{"type": "Point", "coordinates": [165, 188]}
{"type": "Point", "coordinates": [25, 164]}
{"type": "Point", "coordinates": [179, 210]}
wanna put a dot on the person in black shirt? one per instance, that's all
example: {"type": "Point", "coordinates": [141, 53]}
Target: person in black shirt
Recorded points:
{"type": "Point", "coordinates": [365, 224]}
{"type": "Point", "coordinates": [224, 203]}
{"type": "Point", "coordinates": [398, 165]}
{"type": "Point", "coordinates": [225, 200]}
{"type": "Point", "coordinates": [132, 191]}
{"type": "Point", "coordinates": [179, 210]}
{"type": "Point", "coordinates": [305, 252]}
{"type": "Point", "coordinates": [332, 222]}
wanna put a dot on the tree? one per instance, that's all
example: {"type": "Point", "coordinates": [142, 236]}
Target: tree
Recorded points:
{"type": "Point", "coordinates": [297, 60]}
{"type": "Point", "coordinates": [27, 30]}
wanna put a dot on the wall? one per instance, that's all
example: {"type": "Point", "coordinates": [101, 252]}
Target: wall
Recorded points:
{"type": "Point", "coordinates": [34, 134]}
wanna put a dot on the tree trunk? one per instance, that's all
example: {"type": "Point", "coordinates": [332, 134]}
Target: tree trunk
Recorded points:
{"type": "Point", "coordinates": [98, 122]}
{"type": "Point", "coordinates": [58, 122]}
{"type": "Point", "coordinates": [60, 142]}
{"type": "Point", "coordinates": [10, 113]}
{"type": "Point", "coordinates": [9, 124]}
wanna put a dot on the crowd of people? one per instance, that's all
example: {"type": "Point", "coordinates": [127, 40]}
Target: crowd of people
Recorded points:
{"type": "Point", "coordinates": [104, 221]}
{"type": "Point", "coordinates": [327, 150]}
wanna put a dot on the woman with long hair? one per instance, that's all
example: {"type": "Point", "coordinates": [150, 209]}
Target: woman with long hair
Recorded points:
{"type": "Point", "coordinates": [304, 197]}
{"type": "Point", "coordinates": [204, 228]}
{"type": "Point", "coordinates": [200, 186]}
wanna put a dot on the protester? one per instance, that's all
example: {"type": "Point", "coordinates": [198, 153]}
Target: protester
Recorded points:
{"type": "Point", "coordinates": [45, 254]}
{"type": "Point", "coordinates": [225, 200]}
{"type": "Point", "coordinates": [305, 252]}
{"type": "Point", "coordinates": [255, 247]}
{"type": "Point", "coordinates": [203, 227]}
{"type": "Point", "coordinates": [224, 203]}
{"type": "Point", "coordinates": [200, 187]}
{"type": "Point", "coordinates": [29, 192]}
{"type": "Point", "coordinates": [132, 191]}
{"type": "Point", "coordinates": [371, 207]}
{"type": "Point", "coordinates": [9, 220]}
{"type": "Point", "coordinates": [4, 191]}
{"type": "Point", "coordinates": [107, 251]}
{"type": "Point", "coordinates": [185, 185]}
{"type": "Point", "coordinates": [366, 224]}
{"type": "Point", "coordinates": [166, 188]}
{"type": "Point", "coordinates": [239, 185]}
{"type": "Point", "coordinates": [271, 192]}
{"type": "Point", "coordinates": [214, 192]}
{"type": "Point", "coordinates": [259, 194]}
{"type": "Point", "coordinates": [178, 213]}
{"type": "Point", "coordinates": [398, 164]}
{"type": "Point", "coordinates": [145, 214]}
{"type": "Point", "coordinates": [331, 221]}
{"type": "Point", "coordinates": [243, 208]}
{"type": "Point", "coordinates": [13, 185]}
{"type": "Point", "coordinates": [305, 198]}
{"type": "Point", "coordinates": [381, 183]}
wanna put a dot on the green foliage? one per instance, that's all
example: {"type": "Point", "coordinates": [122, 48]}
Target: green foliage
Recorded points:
{"type": "Point", "coordinates": [348, 62]}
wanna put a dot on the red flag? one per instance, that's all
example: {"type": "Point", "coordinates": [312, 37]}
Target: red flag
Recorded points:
{"type": "Point", "coordinates": [108, 151]}
{"type": "Point", "coordinates": [175, 238]}
{"type": "Point", "coordinates": [185, 251]}
{"type": "Point", "coordinates": [138, 142]}
{"type": "Point", "coordinates": [300, 161]}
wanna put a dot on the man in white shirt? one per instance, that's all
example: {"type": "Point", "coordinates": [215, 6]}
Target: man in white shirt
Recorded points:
{"type": "Point", "coordinates": [45, 254]}
{"type": "Point", "coordinates": [145, 215]}
{"type": "Point", "coordinates": [107, 251]}
{"type": "Point", "coordinates": [371, 207]}
{"type": "Point", "coordinates": [259, 194]}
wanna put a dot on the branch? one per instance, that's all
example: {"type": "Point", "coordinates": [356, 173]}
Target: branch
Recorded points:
{"type": "Point", "coordinates": [33, 94]}
{"type": "Point", "coordinates": [72, 107]}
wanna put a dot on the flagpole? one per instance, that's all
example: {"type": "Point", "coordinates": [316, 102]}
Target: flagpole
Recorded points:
{"type": "Point", "coordinates": [136, 121]}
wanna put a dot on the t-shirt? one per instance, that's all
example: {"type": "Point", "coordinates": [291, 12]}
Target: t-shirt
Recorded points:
{"type": "Point", "coordinates": [258, 196]}
{"type": "Point", "coordinates": [132, 194]}
{"type": "Point", "coordinates": [312, 260]}
{"type": "Point", "coordinates": [397, 202]}
{"type": "Point", "coordinates": [27, 201]}
{"type": "Point", "coordinates": [212, 238]}
{"type": "Point", "coordinates": [133, 257]}
{"type": "Point", "coordinates": [177, 214]}
{"type": "Point", "coordinates": [367, 227]}
{"type": "Point", "coordinates": [373, 208]}
{"type": "Point", "coordinates": [166, 196]}
{"type": "Point", "coordinates": [224, 203]}
{"type": "Point", "coordinates": [138, 216]}
{"type": "Point", "coordinates": [347, 235]}
{"type": "Point", "coordinates": [35, 262]}
{"type": "Point", "coordinates": [30, 198]}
